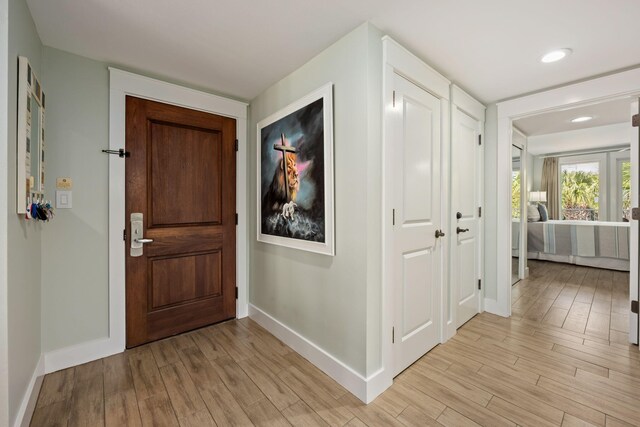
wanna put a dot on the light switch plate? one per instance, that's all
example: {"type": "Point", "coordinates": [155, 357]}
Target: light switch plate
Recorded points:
{"type": "Point", "coordinates": [63, 199]}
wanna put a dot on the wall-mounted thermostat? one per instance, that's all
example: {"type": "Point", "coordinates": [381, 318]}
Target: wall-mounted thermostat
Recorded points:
{"type": "Point", "coordinates": [64, 183]}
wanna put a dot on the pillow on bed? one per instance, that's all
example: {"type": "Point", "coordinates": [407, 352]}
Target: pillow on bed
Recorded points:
{"type": "Point", "coordinates": [533, 214]}
{"type": "Point", "coordinates": [544, 215]}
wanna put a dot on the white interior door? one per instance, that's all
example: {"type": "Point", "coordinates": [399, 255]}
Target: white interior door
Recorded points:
{"type": "Point", "coordinates": [634, 241]}
{"type": "Point", "coordinates": [465, 202]}
{"type": "Point", "coordinates": [417, 256]}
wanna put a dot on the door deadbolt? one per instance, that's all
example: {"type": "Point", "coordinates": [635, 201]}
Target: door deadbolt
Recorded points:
{"type": "Point", "coordinates": [137, 233]}
{"type": "Point", "coordinates": [439, 234]}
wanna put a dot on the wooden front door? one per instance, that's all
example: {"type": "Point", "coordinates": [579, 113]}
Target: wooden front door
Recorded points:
{"type": "Point", "coordinates": [181, 178]}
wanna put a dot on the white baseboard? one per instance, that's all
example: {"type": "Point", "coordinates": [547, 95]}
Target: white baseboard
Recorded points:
{"type": "Point", "coordinates": [365, 389]}
{"type": "Point", "coordinates": [492, 306]}
{"type": "Point", "coordinates": [30, 398]}
{"type": "Point", "coordinates": [80, 353]}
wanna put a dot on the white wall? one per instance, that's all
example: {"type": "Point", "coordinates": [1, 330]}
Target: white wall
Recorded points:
{"type": "Point", "coordinates": [536, 173]}
{"type": "Point", "coordinates": [374, 201]}
{"type": "Point", "coordinates": [23, 237]}
{"type": "Point", "coordinates": [581, 139]}
{"type": "Point", "coordinates": [4, 147]}
{"type": "Point", "coordinates": [332, 301]}
{"type": "Point", "coordinates": [75, 243]}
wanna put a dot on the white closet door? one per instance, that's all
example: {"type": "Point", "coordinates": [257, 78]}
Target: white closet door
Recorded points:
{"type": "Point", "coordinates": [417, 260]}
{"type": "Point", "coordinates": [465, 215]}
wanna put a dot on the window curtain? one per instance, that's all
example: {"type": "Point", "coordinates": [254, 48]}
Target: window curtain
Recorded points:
{"type": "Point", "coordinates": [550, 178]}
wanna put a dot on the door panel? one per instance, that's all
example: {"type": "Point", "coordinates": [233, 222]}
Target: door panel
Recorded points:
{"type": "Point", "coordinates": [181, 178]}
{"type": "Point", "coordinates": [467, 273]}
{"type": "Point", "coordinates": [417, 183]}
{"type": "Point", "coordinates": [172, 148]}
{"type": "Point", "coordinates": [417, 290]}
{"type": "Point", "coordinates": [416, 253]}
{"type": "Point", "coordinates": [465, 200]}
{"type": "Point", "coordinates": [200, 276]}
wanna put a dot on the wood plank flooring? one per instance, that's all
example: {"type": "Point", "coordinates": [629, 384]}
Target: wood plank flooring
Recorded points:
{"type": "Point", "coordinates": [562, 359]}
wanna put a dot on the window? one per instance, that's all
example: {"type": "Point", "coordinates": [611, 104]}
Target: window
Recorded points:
{"type": "Point", "coordinates": [580, 190]}
{"type": "Point", "coordinates": [515, 194]}
{"type": "Point", "coordinates": [624, 190]}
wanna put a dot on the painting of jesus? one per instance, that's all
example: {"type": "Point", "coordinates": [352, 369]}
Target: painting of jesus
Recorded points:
{"type": "Point", "coordinates": [295, 175]}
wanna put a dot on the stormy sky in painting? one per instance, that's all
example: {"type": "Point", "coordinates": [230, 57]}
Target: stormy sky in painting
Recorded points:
{"type": "Point", "coordinates": [304, 131]}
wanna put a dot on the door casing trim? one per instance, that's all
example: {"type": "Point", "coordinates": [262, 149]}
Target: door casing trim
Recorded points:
{"type": "Point", "coordinates": [463, 103]}
{"type": "Point", "coordinates": [398, 60]}
{"type": "Point", "coordinates": [121, 84]}
{"type": "Point", "coordinates": [619, 85]}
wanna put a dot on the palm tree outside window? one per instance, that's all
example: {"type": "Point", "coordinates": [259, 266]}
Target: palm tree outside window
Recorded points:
{"type": "Point", "coordinates": [580, 190]}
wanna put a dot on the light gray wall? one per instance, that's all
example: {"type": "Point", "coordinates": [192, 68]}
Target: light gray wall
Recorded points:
{"type": "Point", "coordinates": [530, 172]}
{"type": "Point", "coordinates": [24, 237]}
{"type": "Point", "coordinates": [490, 202]}
{"type": "Point", "coordinates": [325, 298]}
{"type": "Point", "coordinates": [537, 173]}
{"type": "Point", "coordinates": [4, 147]}
{"type": "Point", "coordinates": [374, 201]}
{"type": "Point", "coordinates": [75, 276]}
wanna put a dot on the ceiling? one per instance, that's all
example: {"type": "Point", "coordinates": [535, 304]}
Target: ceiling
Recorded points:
{"type": "Point", "coordinates": [604, 113]}
{"type": "Point", "coordinates": [241, 47]}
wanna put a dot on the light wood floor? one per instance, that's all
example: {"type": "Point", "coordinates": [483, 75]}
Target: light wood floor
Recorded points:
{"type": "Point", "coordinates": [551, 364]}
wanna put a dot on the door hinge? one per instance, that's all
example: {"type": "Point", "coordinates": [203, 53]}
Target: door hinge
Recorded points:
{"type": "Point", "coordinates": [634, 307]}
{"type": "Point", "coordinates": [635, 120]}
{"type": "Point", "coordinates": [393, 217]}
{"type": "Point", "coordinates": [236, 292]}
{"type": "Point", "coordinates": [479, 211]}
{"type": "Point", "coordinates": [394, 98]}
{"type": "Point", "coordinates": [393, 335]}
{"type": "Point", "coordinates": [236, 145]}
{"type": "Point", "coordinates": [479, 283]}
{"type": "Point", "coordinates": [635, 214]}
{"type": "Point", "coordinates": [236, 219]}
{"type": "Point", "coordinates": [479, 139]}
{"type": "Point", "coordinates": [124, 234]}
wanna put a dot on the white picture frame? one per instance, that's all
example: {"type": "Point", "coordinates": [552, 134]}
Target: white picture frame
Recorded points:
{"type": "Point", "coordinates": [296, 209]}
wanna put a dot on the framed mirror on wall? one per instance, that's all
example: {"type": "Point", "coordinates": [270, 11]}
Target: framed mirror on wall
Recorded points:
{"type": "Point", "coordinates": [31, 137]}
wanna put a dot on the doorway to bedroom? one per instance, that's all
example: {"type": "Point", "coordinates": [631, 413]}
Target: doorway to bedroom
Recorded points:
{"type": "Point", "coordinates": [571, 240]}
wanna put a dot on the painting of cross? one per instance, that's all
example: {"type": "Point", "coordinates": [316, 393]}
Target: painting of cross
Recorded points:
{"type": "Point", "coordinates": [282, 147]}
{"type": "Point", "coordinates": [295, 194]}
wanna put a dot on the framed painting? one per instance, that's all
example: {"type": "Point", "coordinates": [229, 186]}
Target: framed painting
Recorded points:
{"type": "Point", "coordinates": [295, 175]}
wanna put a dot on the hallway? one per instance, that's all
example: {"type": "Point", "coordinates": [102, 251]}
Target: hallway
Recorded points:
{"type": "Point", "coordinates": [562, 359]}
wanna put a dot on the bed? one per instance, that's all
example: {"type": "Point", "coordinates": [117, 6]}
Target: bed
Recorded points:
{"type": "Point", "coordinates": [590, 243]}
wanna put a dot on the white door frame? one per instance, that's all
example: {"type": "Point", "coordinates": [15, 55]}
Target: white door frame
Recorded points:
{"type": "Point", "coordinates": [618, 85]}
{"type": "Point", "coordinates": [523, 269]}
{"type": "Point", "coordinates": [634, 138]}
{"type": "Point", "coordinates": [398, 60]}
{"type": "Point", "coordinates": [462, 102]}
{"type": "Point", "coordinates": [4, 187]}
{"type": "Point", "coordinates": [121, 84]}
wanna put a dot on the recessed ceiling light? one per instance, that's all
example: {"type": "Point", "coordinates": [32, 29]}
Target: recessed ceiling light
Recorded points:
{"type": "Point", "coordinates": [581, 119]}
{"type": "Point", "coordinates": [555, 55]}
